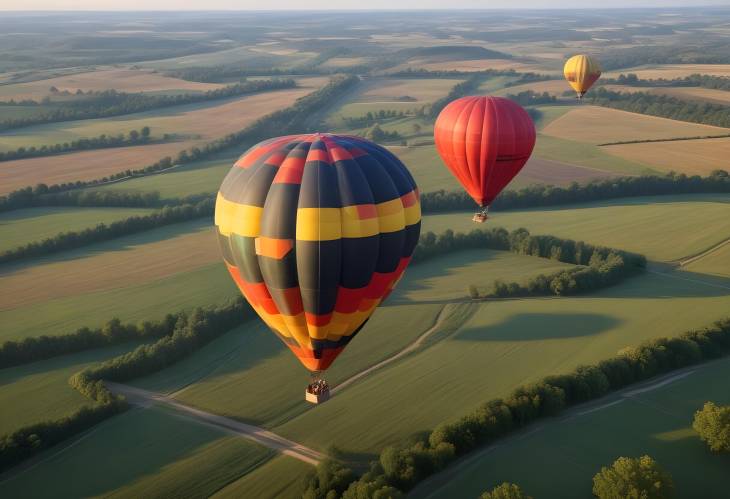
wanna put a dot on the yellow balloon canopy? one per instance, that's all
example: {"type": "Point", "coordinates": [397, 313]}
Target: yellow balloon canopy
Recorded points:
{"type": "Point", "coordinates": [582, 71]}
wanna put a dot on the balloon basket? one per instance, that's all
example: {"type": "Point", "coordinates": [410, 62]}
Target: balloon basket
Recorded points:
{"type": "Point", "coordinates": [317, 392]}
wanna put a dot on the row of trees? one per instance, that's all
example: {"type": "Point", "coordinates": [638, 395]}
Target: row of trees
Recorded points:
{"type": "Point", "coordinates": [664, 106]}
{"type": "Point", "coordinates": [113, 103]}
{"type": "Point", "coordinates": [693, 80]}
{"type": "Point", "coordinates": [403, 467]}
{"type": "Point", "coordinates": [190, 332]}
{"type": "Point", "coordinates": [372, 118]}
{"type": "Point", "coordinates": [596, 190]}
{"type": "Point", "coordinates": [294, 119]}
{"type": "Point", "coordinates": [488, 73]}
{"type": "Point", "coordinates": [466, 87]}
{"type": "Point", "coordinates": [531, 98]}
{"type": "Point", "coordinates": [41, 196]}
{"type": "Point", "coordinates": [102, 232]}
{"type": "Point", "coordinates": [377, 134]}
{"type": "Point", "coordinates": [133, 138]}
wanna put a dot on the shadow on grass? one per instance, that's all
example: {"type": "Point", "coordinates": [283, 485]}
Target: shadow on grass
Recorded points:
{"type": "Point", "coordinates": [532, 327]}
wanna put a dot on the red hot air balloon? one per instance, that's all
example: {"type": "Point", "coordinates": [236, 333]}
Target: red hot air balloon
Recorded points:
{"type": "Point", "coordinates": [485, 142]}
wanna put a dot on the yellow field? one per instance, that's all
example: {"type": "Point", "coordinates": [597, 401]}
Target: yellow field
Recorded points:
{"type": "Point", "coordinates": [597, 125]}
{"type": "Point", "coordinates": [115, 264]}
{"type": "Point", "coordinates": [197, 123]}
{"type": "Point", "coordinates": [671, 71]}
{"type": "Point", "coordinates": [343, 62]}
{"type": "Point", "coordinates": [696, 157]}
{"type": "Point", "coordinates": [123, 80]}
{"type": "Point", "coordinates": [390, 89]}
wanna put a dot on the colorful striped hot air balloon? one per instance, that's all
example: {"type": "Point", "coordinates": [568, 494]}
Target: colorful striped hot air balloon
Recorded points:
{"type": "Point", "coordinates": [316, 230]}
{"type": "Point", "coordinates": [582, 71]}
{"type": "Point", "coordinates": [485, 142]}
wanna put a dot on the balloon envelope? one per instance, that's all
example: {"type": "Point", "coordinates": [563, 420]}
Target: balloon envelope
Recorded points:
{"type": "Point", "coordinates": [485, 142]}
{"type": "Point", "coordinates": [582, 71]}
{"type": "Point", "coordinates": [316, 230]}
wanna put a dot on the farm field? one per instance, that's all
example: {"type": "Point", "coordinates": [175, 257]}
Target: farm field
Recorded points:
{"type": "Point", "coordinates": [124, 261]}
{"type": "Point", "coordinates": [280, 477]}
{"type": "Point", "coordinates": [156, 453]}
{"type": "Point", "coordinates": [693, 157]}
{"type": "Point", "coordinates": [576, 447]}
{"type": "Point", "coordinates": [35, 392]}
{"type": "Point", "coordinates": [119, 79]}
{"type": "Point", "coordinates": [643, 225]}
{"type": "Point", "coordinates": [21, 227]}
{"type": "Point", "coordinates": [716, 263]}
{"type": "Point", "coordinates": [600, 125]}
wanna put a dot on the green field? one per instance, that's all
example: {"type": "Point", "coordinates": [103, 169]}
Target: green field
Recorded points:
{"type": "Point", "coordinates": [715, 263]}
{"type": "Point", "coordinates": [148, 453]}
{"type": "Point", "coordinates": [657, 423]}
{"type": "Point", "coordinates": [40, 391]}
{"type": "Point", "coordinates": [19, 227]}
{"type": "Point", "coordinates": [278, 478]}
{"type": "Point", "coordinates": [504, 344]}
{"type": "Point", "coordinates": [663, 227]}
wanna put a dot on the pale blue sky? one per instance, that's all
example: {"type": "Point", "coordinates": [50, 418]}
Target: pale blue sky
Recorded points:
{"type": "Point", "coordinates": [339, 5]}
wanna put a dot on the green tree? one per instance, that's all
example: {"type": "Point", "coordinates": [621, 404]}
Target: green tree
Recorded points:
{"type": "Point", "coordinates": [633, 478]}
{"type": "Point", "coordinates": [712, 423]}
{"type": "Point", "coordinates": [145, 132]}
{"type": "Point", "coordinates": [506, 491]}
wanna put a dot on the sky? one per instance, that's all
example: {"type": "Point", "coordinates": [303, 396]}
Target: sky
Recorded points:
{"type": "Point", "coordinates": [339, 5]}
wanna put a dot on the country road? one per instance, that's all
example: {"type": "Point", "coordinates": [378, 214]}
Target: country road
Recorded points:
{"type": "Point", "coordinates": [144, 398]}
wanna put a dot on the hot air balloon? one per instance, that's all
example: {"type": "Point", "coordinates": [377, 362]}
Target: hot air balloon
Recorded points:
{"type": "Point", "coordinates": [582, 71]}
{"type": "Point", "coordinates": [485, 142]}
{"type": "Point", "coordinates": [316, 230]}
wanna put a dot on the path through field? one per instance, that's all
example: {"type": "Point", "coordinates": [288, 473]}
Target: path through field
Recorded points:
{"type": "Point", "coordinates": [144, 398]}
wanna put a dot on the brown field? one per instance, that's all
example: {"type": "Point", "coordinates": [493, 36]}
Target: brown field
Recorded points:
{"type": "Point", "coordinates": [123, 262]}
{"type": "Point", "coordinates": [85, 165]}
{"type": "Point", "coordinates": [598, 125]}
{"type": "Point", "coordinates": [199, 124]}
{"type": "Point", "coordinates": [697, 157]}
{"type": "Point", "coordinates": [670, 71]}
{"type": "Point", "coordinates": [390, 89]}
{"type": "Point", "coordinates": [547, 171]}
{"type": "Point", "coordinates": [124, 80]}
{"type": "Point", "coordinates": [343, 62]}
{"type": "Point", "coordinates": [687, 93]}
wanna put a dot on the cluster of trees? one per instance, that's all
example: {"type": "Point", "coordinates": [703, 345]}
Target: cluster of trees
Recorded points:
{"type": "Point", "coordinates": [190, 332]}
{"type": "Point", "coordinates": [403, 467]}
{"type": "Point", "coordinates": [596, 190]}
{"type": "Point", "coordinates": [13, 353]}
{"type": "Point", "coordinates": [506, 491]}
{"type": "Point", "coordinates": [693, 80]}
{"type": "Point", "coordinates": [712, 424]}
{"type": "Point", "coordinates": [294, 119]}
{"type": "Point", "coordinates": [377, 134]}
{"type": "Point", "coordinates": [462, 89]}
{"type": "Point", "coordinates": [664, 106]}
{"type": "Point", "coordinates": [371, 118]}
{"type": "Point", "coordinates": [133, 138]}
{"type": "Point", "coordinates": [633, 477]}
{"type": "Point", "coordinates": [113, 103]}
{"type": "Point", "coordinates": [102, 232]}
{"type": "Point", "coordinates": [531, 98]}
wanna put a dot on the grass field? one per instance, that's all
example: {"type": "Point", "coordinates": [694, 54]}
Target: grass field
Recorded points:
{"type": "Point", "coordinates": [663, 228]}
{"type": "Point", "coordinates": [20, 227]}
{"type": "Point", "coordinates": [693, 157]}
{"type": "Point", "coordinates": [149, 453]}
{"type": "Point", "coordinates": [118, 263]}
{"type": "Point", "coordinates": [40, 391]}
{"type": "Point", "coordinates": [575, 449]}
{"type": "Point", "coordinates": [716, 263]}
{"type": "Point", "coordinates": [279, 478]}
{"type": "Point", "coordinates": [120, 79]}
{"type": "Point", "coordinates": [504, 344]}
{"type": "Point", "coordinates": [553, 87]}
{"type": "Point", "coordinates": [599, 125]}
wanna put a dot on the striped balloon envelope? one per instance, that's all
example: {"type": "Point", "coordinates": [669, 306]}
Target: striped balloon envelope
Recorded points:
{"type": "Point", "coordinates": [316, 230]}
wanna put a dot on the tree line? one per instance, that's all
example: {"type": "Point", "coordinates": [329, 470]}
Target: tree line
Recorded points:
{"type": "Point", "coordinates": [190, 332]}
{"type": "Point", "coordinates": [102, 232]}
{"type": "Point", "coordinates": [112, 103]}
{"type": "Point", "coordinates": [488, 73]}
{"type": "Point", "coordinates": [531, 98]}
{"type": "Point", "coordinates": [459, 90]}
{"type": "Point", "coordinates": [596, 190]}
{"type": "Point", "coordinates": [693, 80]}
{"type": "Point", "coordinates": [293, 119]}
{"type": "Point", "coordinates": [103, 141]}
{"type": "Point", "coordinates": [664, 106]}
{"type": "Point", "coordinates": [399, 468]}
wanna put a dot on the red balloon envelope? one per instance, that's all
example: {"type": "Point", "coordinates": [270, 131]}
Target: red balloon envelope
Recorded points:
{"type": "Point", "coordinates": [485, 142]}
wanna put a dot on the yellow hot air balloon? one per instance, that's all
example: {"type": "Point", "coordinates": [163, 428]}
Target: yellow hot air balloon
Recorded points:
{"type": "Point", "coordinates": [582, 71]}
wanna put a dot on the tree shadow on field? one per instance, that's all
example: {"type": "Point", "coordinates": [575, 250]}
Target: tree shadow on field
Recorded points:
{"type": "Point", "coordinates": [532, 327]}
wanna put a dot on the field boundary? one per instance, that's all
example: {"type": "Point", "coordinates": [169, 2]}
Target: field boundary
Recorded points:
{"type": "Point", "coordinates": [693, 258]}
